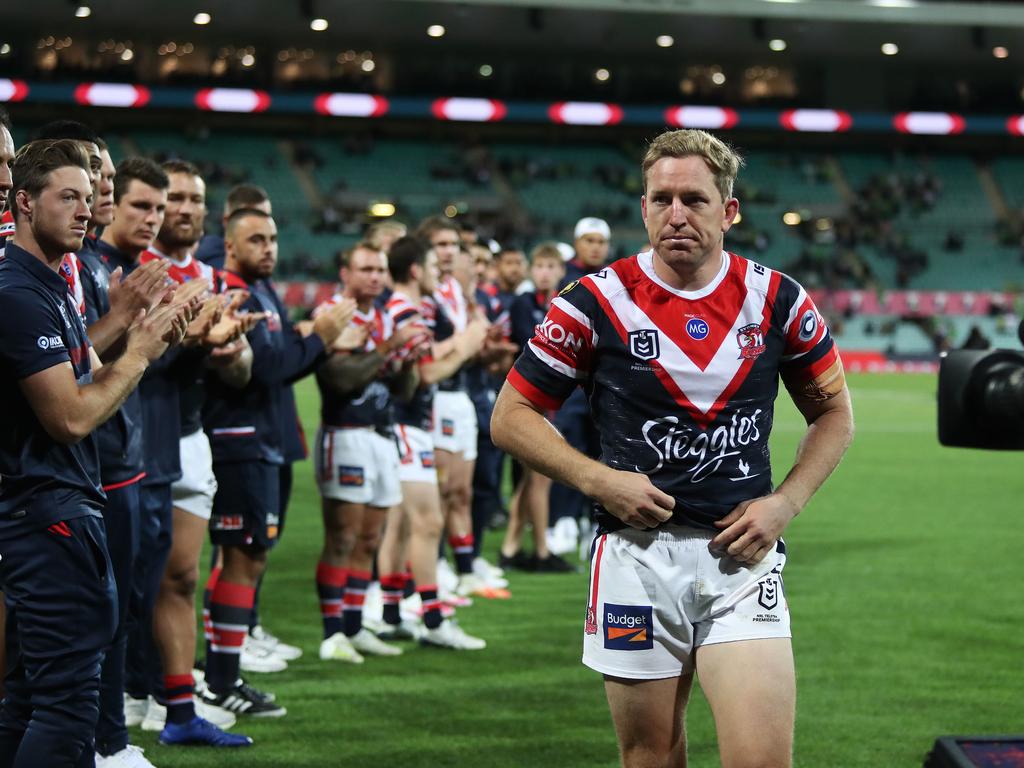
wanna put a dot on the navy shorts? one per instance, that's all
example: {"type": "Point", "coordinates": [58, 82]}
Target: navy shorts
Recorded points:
{"type": "Point", "coordinates": [247, 507]}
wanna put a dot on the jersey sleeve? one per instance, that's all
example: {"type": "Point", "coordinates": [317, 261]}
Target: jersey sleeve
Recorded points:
{"type": "Point", "coordinates": [809, 349]}
{"type": "Point", "coordinates": [558, 357]}
{"type": "Point", "coordinates": [32, 336]}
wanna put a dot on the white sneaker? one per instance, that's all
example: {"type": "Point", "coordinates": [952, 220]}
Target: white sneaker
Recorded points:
{"type": "Point", "coordinates": [129, 757]}
{"type": "Point", "coordinates": [446, 577]}
{"type": "Point", "coordinates": [410, 607]}
{"type": "Point", "coordinates": [274, 645]}
{"type": "Point", "coordinates": [156, 716]}
{"type": "Point", "coordinates": [373, 605]}
{"type": "Point", "coordinates": [256, 658]}
{"type": "Point", "coordinates": [486, 570]}
{"type": "Point", "coordinates": [218, 716]}
{"type": "Point", "coordinates": [369, 644]}
{"type": "Point", "coordinates": [338, 648]}
{"type": "Point", "coordinates": [134, 710]}
{"type": "Point", "coordinates": [470, 584]}
{"type": "Point", "coordinates": [450, 635]}
{"type": "Point", "coordinates": [563, 536]}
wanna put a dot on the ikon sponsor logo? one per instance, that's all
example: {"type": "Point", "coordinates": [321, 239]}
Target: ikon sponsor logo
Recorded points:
{"type": "Point", "coordinates": [50, 342]}
{"type": "Point", "coordinates": [701, 451]}
{"type": "Point", "coordinates": [697, 329]}
{"type": "Point", "coordinates": [628, 627]}
{"type": "Point", "coordinates": [556, 334]}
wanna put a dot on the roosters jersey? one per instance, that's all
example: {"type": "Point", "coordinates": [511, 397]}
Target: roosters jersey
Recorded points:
{"type": "Point", "coordinates": [417, 412]}
{"type": "Point", "coordinates": [681, 385]}
{"type": "Point", "coordinates": [450, 298]}
{"type": "Point", "coordinates": [370, 407]}
{"type": "Point", "coordinates": [188, 269]}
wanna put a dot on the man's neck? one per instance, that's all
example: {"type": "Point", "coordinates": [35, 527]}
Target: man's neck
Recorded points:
{"type": "Point", "coordinates": [412, 290]}
{"type": "Point", "coordinates": [179, 253]}
{"type": "Point", "coordinates": [689, 277]}
{"type": "Point", "coordinates": [110, 238]}
{"type": "Point", "coordinates": [24, 239]}
{"type": "Point", "coordinates": [506, 287]}
{"type": "Point", "coordinates": [364, 305]}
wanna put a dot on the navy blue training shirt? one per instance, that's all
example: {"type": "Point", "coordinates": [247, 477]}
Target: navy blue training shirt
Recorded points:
{"type": "Point", "coordinates": [41, 481]}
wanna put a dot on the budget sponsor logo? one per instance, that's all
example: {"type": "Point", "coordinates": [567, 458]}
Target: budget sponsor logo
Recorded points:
{"type": "Point", "coordinates": [628, 627]}
{"type": "Point", "coordinates": [351, 476]}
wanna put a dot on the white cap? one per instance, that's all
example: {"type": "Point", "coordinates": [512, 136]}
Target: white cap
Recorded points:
{"type": "Point", "coordinates": [591, 225]}
{"type": "Point", "coordinates": [566, 250]}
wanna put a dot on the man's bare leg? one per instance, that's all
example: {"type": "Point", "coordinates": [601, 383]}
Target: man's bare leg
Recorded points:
{"type": "Point", "coordinates": [751, 687]}
{"type": "Point", "coordinates": [649, 718]}
{"type": "Point", "coordinates": [174, 623]}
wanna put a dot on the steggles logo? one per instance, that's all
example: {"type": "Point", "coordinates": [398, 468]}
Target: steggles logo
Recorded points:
{"type": "Point", "coordinates": [703, 451]}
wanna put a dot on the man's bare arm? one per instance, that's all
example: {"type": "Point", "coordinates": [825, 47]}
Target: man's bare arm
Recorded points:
{"type": "Point", "coordinates": [753, 527]}
{"type": "Point", "coordinates": [519, 428]}
{"type": "Point", "coordinates": [348, 373]}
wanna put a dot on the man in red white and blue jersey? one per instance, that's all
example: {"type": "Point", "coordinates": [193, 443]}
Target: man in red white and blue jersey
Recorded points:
{"type": "Point", "coordinates": [680, 350]}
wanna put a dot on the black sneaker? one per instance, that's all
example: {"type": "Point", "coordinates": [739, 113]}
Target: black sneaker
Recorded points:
{"type": "Point", "coordinates": [243, 699]}
{"type": "Point", "coordinates": [520, 561]}
{"type": "Point", "coordinates": [553, 564]}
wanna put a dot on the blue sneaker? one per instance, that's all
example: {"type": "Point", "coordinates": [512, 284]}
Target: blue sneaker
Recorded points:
{"type": "Point", "coordinates": [199, 732]}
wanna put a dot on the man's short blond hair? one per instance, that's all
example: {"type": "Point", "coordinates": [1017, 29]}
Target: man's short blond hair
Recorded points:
{"type": "Point", "coordinates": [723, 161]}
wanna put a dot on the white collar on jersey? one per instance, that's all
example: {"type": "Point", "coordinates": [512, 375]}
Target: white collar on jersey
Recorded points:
{"type": "Point", "coordinates": [180, 264]}
{"type": "Point", "coordinates": [646, 262]}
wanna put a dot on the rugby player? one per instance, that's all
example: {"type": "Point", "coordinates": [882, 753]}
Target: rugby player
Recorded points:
{"type": "Point", "coordinates": [56, 573]}
{"type": "Point", "coordinates": [356, 456]}
{"type": "Point", "coordinates": [680, 349]}
{"type": "Point", "coordinates": [417, 524]}
{"type": "Point", "coordinates": [210, 249]}
{"type": "Point", "coordinates": [530, 502]}
{"type": "Point", "coordinates": [244, 426]}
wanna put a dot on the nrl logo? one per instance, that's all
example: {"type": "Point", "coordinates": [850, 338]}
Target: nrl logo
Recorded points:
{"type": "Point", "coordinates": [751, 341]}
{"type": "Point", "coordinates": [644, 345]}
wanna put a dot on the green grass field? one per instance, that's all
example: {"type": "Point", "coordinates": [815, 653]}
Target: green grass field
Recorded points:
{"type": "Point", "coordinates": [905, 585]}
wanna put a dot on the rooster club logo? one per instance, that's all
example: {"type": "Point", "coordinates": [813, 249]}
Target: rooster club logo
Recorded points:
{"type": "Point", "coordinates": [628, 627]}
{"type": "Point", "coordinates": [751, 341]}
{"type": "Point", "coordinates": [697, 329]}
{"type": "Point", "coordinates": [644, 344]}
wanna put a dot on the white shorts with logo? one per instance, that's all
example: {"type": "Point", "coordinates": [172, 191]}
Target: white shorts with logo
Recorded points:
{"type": "Point", "coordinates": [455, 424]}
{"type": "Point", "coordinates": [357, 465]}
{"type": "Point", "coordinates": [656, 596]}
{"type": "Point", "coordinates": [416, 455]}
{"type": "Point", "coordinates": [195, 490]}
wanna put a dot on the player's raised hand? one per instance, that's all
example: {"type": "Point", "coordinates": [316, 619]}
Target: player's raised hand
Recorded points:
{"type": "Point", "coordinates": [329, 323]}
{"type": "Point", "coordinates": [632, 497]}
{"type": "Point", "coordinates": [193, 289]}
{"type": "Point", "coordinates": [144, 288]}
{"type": "Point", "coordinates": [352, 338]}
{"type": "Point", "coordinates": [202, 323]}
{"type": "Point", "coordinates": [152, 332]}
{"type": "Point", "coordinates": [751, 530]}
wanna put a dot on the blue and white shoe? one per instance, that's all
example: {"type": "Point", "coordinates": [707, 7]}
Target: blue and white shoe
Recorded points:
{"type": "Point", "coordinates": [203, 733]}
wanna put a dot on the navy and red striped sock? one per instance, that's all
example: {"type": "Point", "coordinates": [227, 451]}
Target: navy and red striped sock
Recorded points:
{"type": "Point", "coordinates": [330, 587]}
{"type": "Point", "coordinates": [462, 546]}
{"type": "Point", "coordinates": [178, 694]}
{"type": "Point", "coordinates": [352, 605]}
{"type": "Point", "coordinates": [211, 584]}
{"type": "Point", "coordinates": [229, 624]}
{"type": "Point", "coordinates": [391, 586]}
{"type": "Point", "coordinates": [431, 606]}
{"type": "Point", "coordinates": [410, 583]}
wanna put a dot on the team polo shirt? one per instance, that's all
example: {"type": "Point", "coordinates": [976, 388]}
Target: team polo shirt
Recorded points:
{"type": "Point", "coordinates": [245, 424]}
{"type": "Point", "coordinates": [41, 329]}
{"type": "Point", "coordinates": [293, 437]}
{"type": "Point", "coordinates": [526, 313]}
{"type": "Point", "coordinates": [682, 385]}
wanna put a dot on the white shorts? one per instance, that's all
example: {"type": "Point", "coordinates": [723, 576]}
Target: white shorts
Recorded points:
{"type": "Point", "coordinates": [416, 455]}
{"type": "Point", "coordinates": [656, 596]}
{"type": "Point", "coordinates": [195, 490]}
{"type": "Point", "coordinates": [455, 424]}
{"type": "Point", "coordinates": [357, 465]}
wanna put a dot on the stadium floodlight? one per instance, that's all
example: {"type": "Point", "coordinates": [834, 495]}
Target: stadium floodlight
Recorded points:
{"type": "Point", "coordinates": [436, 30]}
{"type": "Point", "coordinates": [778, 44]}
{"type": "Point", "coordinates": [1000, 52]}
{"type": "Point", "coordinates": [665, 41]}
{"type": "Point", "coordinates": [83, 12]}
{"type": "Point", "coordinates": [318, 25]}
{"type": "Point", "coordinates": [890, 49]}
{"type": "Point", "coordinates": [202, 18]}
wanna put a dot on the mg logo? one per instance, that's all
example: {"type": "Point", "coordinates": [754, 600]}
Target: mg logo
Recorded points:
{"type": "Point", "coordinates": [643, 345]}
{"type": "Point", "coordinates": [697, 329]}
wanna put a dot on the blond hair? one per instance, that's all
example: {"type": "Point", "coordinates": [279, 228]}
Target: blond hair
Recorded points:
{"type": "Point", "coordinates": [546, 250]}
{"type": "Point", "coordinates": [723, 161]}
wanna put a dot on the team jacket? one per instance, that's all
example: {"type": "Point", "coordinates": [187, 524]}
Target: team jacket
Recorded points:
{"type": "Point", "coordinates": [246, 424]}
{"type": "Point", "coordinates": [681, 385]}
{"type": "Point", "coordinates": [120, 438]}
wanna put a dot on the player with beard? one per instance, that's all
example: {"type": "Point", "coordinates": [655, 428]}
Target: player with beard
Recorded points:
{"type": "Point", "coordinates": [244, 426]}
{"type": "Point", "coordinates": [357, 458]}
{"type": "Point", "coordinates": [416, 527]}
{"type": "Point", "coordinates": [56, 574]}
{"type": "Point", "coordinates": [210, 249]}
